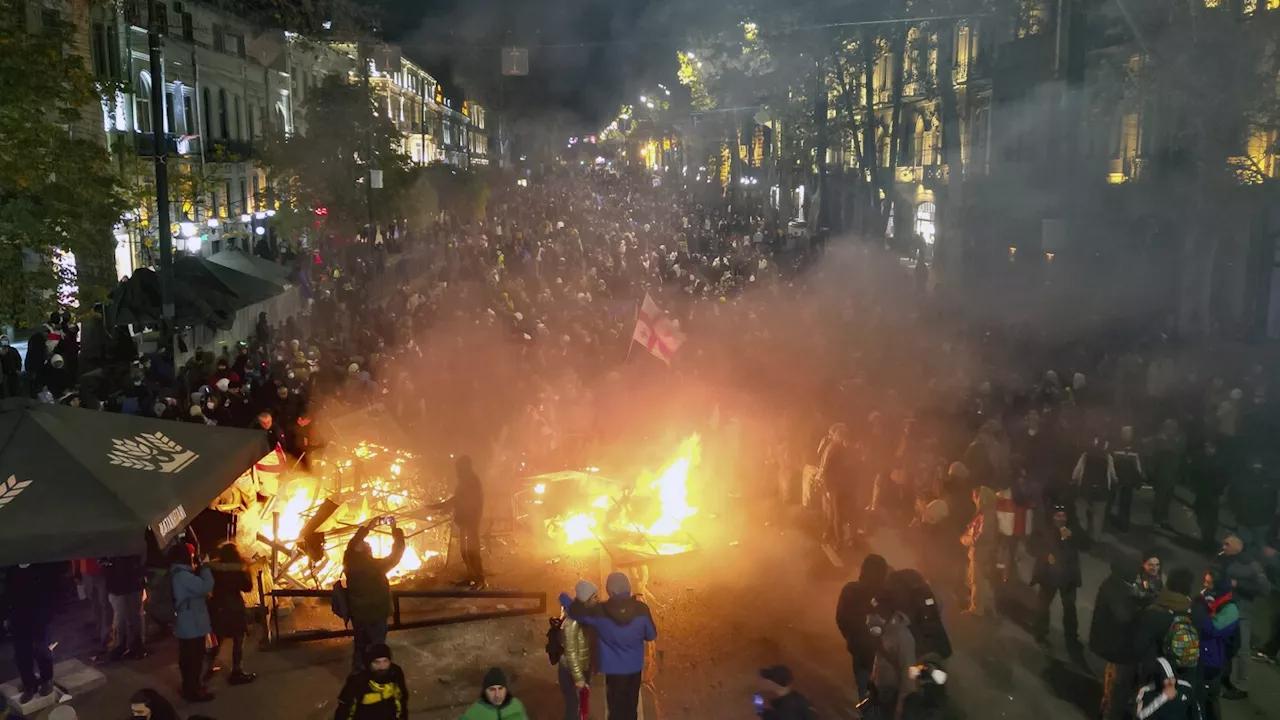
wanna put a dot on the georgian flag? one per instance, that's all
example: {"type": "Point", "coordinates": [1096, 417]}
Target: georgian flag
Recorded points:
{"type": "Point", "coordinates": [656, 332]}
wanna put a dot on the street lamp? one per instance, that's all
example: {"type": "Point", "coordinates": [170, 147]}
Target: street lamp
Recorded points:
{"type": "Point", "coordinates": [643, 98]}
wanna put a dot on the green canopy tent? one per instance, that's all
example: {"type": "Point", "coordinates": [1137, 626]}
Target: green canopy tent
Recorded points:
{"type": "Point", "coordinates": [78, 483]}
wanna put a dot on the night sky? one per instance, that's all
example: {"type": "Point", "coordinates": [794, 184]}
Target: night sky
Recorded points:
{"type": "Point", "coordinates": [585, 56]}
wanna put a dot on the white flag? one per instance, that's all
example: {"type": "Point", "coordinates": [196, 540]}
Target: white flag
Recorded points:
{"type": "Point", "coordinates": [656, 332]}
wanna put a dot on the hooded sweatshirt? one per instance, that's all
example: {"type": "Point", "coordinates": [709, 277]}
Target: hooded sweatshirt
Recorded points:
{"type": "Point", "coordinates": [370, 695]}
{"type": "Point", "coordinates": [855, 604]}
{"type": "Point", "coordinates": [1115, 616]}
{"type": "Point", "coordinates": [623, 625]}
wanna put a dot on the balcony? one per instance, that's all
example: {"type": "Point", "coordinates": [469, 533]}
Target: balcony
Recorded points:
{"type": "Point", "coordinates": [229, 150]}
{"type": "Point", "coordinates": [145, 145]}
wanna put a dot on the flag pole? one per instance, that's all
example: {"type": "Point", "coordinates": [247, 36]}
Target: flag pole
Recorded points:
{"type": "Point", "coordinates": [634, 322]}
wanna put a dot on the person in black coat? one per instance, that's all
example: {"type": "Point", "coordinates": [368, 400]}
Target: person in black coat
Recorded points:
{"type": "Point", "coordinates": [30, 592]}
{"type": "Point", "coordinates": [1115, 616]}
{"type": "Point", "coordinates": [851, 617]}
{"type": "Point", "coordinates": [467, 506]}
{"type": "Point", "coordinates": [1057, 572]}
{"type": "Point", "coordinates": [227, 612]}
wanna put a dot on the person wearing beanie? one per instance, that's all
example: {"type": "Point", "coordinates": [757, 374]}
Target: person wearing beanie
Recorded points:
{"type": "Point", "coordinates": [575, 667]}
{"type": "Point", "coordinates": [623, 624]}
{"type": "Point", "coordinates": [377, 692]}
{"type": "Point", "coordinates": [496, 701]}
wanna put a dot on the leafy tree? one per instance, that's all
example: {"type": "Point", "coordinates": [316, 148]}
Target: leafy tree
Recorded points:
{"type": "Point", "coordinates": [328, 167]}
{"type": "Point", "coordinates": [58, 192]}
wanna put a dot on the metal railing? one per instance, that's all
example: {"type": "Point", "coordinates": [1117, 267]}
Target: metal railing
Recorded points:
{"type": "Point", "coordinates": [275, 636]}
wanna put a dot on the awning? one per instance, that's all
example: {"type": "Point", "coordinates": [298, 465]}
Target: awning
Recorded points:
{"type": "Point", "coordinates": [80, 483]}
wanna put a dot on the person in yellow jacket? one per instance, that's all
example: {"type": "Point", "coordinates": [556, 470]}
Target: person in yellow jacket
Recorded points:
{"type": "Point", "coordinates": [575, 666]}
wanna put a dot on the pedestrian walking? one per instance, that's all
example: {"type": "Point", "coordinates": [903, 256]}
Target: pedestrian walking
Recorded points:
{"type": "Point", "coordinates": [1241, 566]}
{"type": "Point", "coordinates": [368, 590]}
{"type": "Point", "coordinates": [496, 701]}
{"type": "Point", "coordinates": [623, 624]}
{"type": "Point", "coordinates": [376, 692]}
{"type": "Point", "coordinates": [191, 587]}
{"type": "Point", "coordinates": [1094, 477]}
{"type": "Point", "coordinates": [1127, 462]}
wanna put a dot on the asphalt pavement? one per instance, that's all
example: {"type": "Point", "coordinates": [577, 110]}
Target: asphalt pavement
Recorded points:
{"type": "Point", "coordinates": [761, 593]}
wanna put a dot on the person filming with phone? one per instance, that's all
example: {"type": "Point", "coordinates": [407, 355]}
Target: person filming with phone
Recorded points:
{"type": "Point", "coordinates": [368, 590]}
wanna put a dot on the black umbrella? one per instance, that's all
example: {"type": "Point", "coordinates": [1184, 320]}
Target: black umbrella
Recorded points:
{"type": "Point", "coordinates": [78, 483]}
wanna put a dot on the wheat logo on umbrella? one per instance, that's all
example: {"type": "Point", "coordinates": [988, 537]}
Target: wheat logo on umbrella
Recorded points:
{"type": "Point", "coordinates": [10, 489]}
{"type": "Point", "coordinates": [153, 452]}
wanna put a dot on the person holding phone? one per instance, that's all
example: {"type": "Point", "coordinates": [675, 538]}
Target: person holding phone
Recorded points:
{"type": "Point", "coordinates": [368, 590]}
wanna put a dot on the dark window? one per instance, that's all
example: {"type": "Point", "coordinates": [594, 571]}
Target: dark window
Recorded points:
{"type": "Point", "coordinates": [189, 115]}
{"type": "Point", "coordinates": [257, 198]}
{"type": "Point", "coordinates": [113, 53]}
{"type": "Point", "coordinates": [50, 19]}
{"type": "Point", "coordinates": [234, 44]}
{"type": "Point", "coordinates": [213, 203]}
{"type": "Point", "coordinates": [162, 18]}
{"type": "Point", "coordinates": [222, 114]}
{"type": "Point", "coordinates": [206, 100]}
{"type": "Point", "coordinates": [20, 10]}
{"type": "Point", "coordinates": [236, 120]}
{"type": "Point", "coordinates": [169, 102]}
{"type": "Point", "coordinates": [251, 124]}
{"type": "Point", "coordinates": [98, 49]}
{"type": "Point", "coordinates": [244, 196]}
{"type": "Point", "coordinates": [133, 12]}
{"type": "Point", "coordinates": [184, 17]}
{"type": "Point", "coordinates": [219, 43]}
{"type": "Point", "coordinates": [230, 206]}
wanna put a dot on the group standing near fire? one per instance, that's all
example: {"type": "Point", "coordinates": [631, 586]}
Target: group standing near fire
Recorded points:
{"type": "Point", "coordinates": [936, 433]}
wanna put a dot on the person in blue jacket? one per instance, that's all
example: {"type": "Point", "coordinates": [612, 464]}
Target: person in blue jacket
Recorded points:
{"type": "Point", "coordinates": [191, 588]}
{"type": "Point", "coordinates": [623, 624]}
{"type": "Point", "coordinates": [1219, 627]}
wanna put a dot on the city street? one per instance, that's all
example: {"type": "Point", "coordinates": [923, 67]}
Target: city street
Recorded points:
{"type": "Point", "coordinates": [722, 612]}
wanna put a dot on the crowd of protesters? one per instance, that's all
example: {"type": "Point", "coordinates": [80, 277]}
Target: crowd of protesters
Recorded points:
{"type": "Point", "coordinates": [510, 336]}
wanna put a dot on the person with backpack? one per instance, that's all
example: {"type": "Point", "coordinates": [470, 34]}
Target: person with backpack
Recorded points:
{"type": "Point", "coordinates": [191, 625]}
{"type": "Point", "coordinates": [1057, 550]}
{"type": "Point", "coordinates": [1166, 629]}
{"type": "Point", "coordinates": [855, 603]}
{"type": "Point", "coordinates": [368, 592]}
{"type": "Point", "coordinates": [1219, 630]}
{"type": "Point", "coordinates": [569, 646]}
{"type": "Point", "coordinates": [623, 624]}
{"type": "Point", "coordinates": [1165, 696]}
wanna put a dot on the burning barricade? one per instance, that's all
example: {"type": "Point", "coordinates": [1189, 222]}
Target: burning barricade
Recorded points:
{"type": "Point", "coordinates": [584, 509]}
{"type": "Point", "coordinates": [297, 524]}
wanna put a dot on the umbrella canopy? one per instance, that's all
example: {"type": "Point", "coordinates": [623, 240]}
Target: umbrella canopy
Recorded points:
{"type": "Point", "coordinates": [252, 265]}
{"type": "Point", "coordinates": [238, 288]}
{"type": "Point", "coordinates": [137, 301]}
{"type": "Point", "coordinates": [78, 483]}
